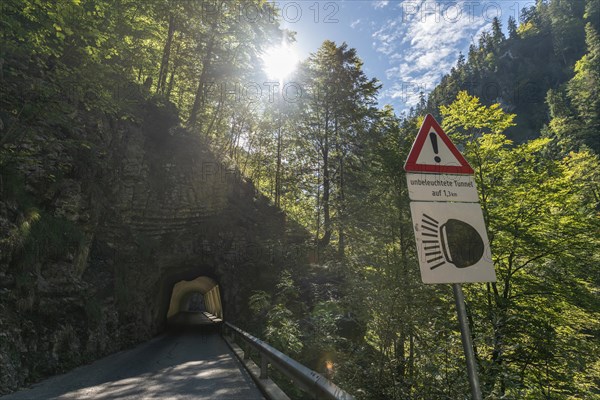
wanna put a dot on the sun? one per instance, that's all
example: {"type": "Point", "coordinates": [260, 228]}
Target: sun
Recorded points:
{"type": "Point", "coordinates": [279, 61]}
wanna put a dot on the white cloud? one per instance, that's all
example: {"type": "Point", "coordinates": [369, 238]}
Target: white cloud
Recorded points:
{"type": "Point", "coordinates": [354, 24]}
{"type": "Point", "coordinates": [422, 43]}
{"type": "Point", "coordinates": [380, 4]}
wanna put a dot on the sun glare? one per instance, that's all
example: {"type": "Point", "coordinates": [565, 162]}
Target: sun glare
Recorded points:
{"type": "Point", "coordinates": [279, 62]}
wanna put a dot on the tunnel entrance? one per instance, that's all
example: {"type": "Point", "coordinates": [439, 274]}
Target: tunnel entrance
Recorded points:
{"type": "Point", "coordinates": [195, 302]}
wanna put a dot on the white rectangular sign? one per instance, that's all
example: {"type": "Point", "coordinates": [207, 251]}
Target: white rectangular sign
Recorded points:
{"type": "Point", "coordinates": [452, 242]}
{"type": "Point", "coordinates": [441, 187]}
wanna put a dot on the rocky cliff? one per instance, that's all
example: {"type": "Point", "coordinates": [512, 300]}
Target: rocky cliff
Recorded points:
{"type": "Point", "coordinates": [96, 230]}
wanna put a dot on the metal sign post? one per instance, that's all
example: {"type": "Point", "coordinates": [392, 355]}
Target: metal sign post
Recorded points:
{"type": "Point", "coordinates": [465, 334]}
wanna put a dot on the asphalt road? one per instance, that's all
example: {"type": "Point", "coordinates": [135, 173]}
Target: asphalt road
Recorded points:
{"type": "Point", "coordinates": [184, 365]}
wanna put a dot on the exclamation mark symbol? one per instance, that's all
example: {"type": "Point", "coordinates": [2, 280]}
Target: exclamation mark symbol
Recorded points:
{"type": "Point", "coordinates": [433, 138]}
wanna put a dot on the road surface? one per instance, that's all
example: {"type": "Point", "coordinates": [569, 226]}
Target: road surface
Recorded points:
{"type": "Point", "coordinates": [184, 365]}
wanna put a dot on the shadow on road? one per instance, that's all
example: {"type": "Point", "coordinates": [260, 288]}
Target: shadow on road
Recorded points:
{"type": "Point", "coordinates": [190, 362]}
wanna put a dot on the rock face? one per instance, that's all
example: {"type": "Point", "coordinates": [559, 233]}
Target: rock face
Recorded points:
{"type": "Point", "coordinates": [88, 269]}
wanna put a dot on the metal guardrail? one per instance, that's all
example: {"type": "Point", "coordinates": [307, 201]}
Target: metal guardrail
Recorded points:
{"type": "Point", "coordinates": [308, 380]}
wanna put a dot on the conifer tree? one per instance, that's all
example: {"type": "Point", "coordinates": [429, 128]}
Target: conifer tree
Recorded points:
{"type": "Point", "coordinates": [512, 28]}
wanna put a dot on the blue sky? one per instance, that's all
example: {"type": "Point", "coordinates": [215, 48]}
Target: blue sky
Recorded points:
{"type": "Point", "coordinates": [407, 44]}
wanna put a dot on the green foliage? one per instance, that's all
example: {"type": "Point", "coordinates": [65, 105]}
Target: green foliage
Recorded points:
{"type": "Point", "coordinates": [529, 326]}
{"type": "Point", "coordinates": [584, 91]}
{"type": "Point", "coordinates": [517, 72]}
{"type": "Point", "coordinates": [541, 225]}
{"type": "Point", "coordinates": [259, 302]}
{"type": "Point", "coordinates": [466, 118]}
{"type": "Point", "coordinates": [282, 329]}
{"type": "Point", "coordinates": [324, 317]}
{"type": "Point", "coordinates": [574, 107]}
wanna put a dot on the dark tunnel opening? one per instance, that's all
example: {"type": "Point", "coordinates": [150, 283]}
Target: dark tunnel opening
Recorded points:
{"type": "Point", "coordinates": [187, 295]}
{"type": "Point", "coordinates": [193, 302]}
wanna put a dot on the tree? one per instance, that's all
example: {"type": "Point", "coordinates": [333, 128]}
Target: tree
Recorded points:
{"type": "Point", "coordinates": [474, 118]}
{"type": "Point", "coordinates": [227, 54]}
{"type": "Point", "coordinates": [497, 34]}
{"type": "Point", "coordinates": [538, 224]}
{"type": "Point", "coordinates": [567, 28]}
{"type": "Point", "coordinates": [512, 28]}
{"type": "Point", "coordinates": [584, 92]}
{"type": "Point", "coordinates": [574, 107]}
{"type": "Point", "coordinates": [592, 13]}
{"type": "Point", "coordinates": [335, 113]}
{"type": "Point", "coordinates": [166, 57]}
{"type": "Point", "coordinates": [281, 330]}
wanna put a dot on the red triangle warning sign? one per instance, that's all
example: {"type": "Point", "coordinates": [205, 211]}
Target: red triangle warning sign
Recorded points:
{"type": "Point", "coordinates": [433, 151]}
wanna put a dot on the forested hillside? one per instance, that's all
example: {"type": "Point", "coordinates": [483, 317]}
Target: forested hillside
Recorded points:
{"type": "Point", "coordinates": [524, 109]}
{"type": "Point", "coordinates": [534, 70]}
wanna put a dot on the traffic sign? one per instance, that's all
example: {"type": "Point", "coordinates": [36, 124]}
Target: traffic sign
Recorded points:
{"type": "Point", "coordinates": [433, 151]}
{"type": "Point", "coordinates": [443, 187]}
{"type": "Point", "coordinates": [452, 242]}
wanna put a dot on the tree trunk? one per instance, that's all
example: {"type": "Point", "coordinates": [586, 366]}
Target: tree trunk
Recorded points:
{"type": "Point", "coordinates": [404, 237]}
{"type": "Point", "coordinates": [278, 167]}
{"type": "Point", "coordinates": [164, 64]}
{"type": "Point", "coordinates": [199, 99]}
{"type": "Point", "coordinates": [318, 208]}
{"type": "Point", "coordinates": [341, 199]}
{"type": "Point", "coordinates": [176, 65]}
{"type": "Point", "coordinates": [324, 241]}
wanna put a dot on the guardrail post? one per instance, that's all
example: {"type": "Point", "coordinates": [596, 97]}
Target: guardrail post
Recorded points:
{"type": "Point", "coordinates": [247, 349]}
{"type": "Point", "coordinates": [264, 367]}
